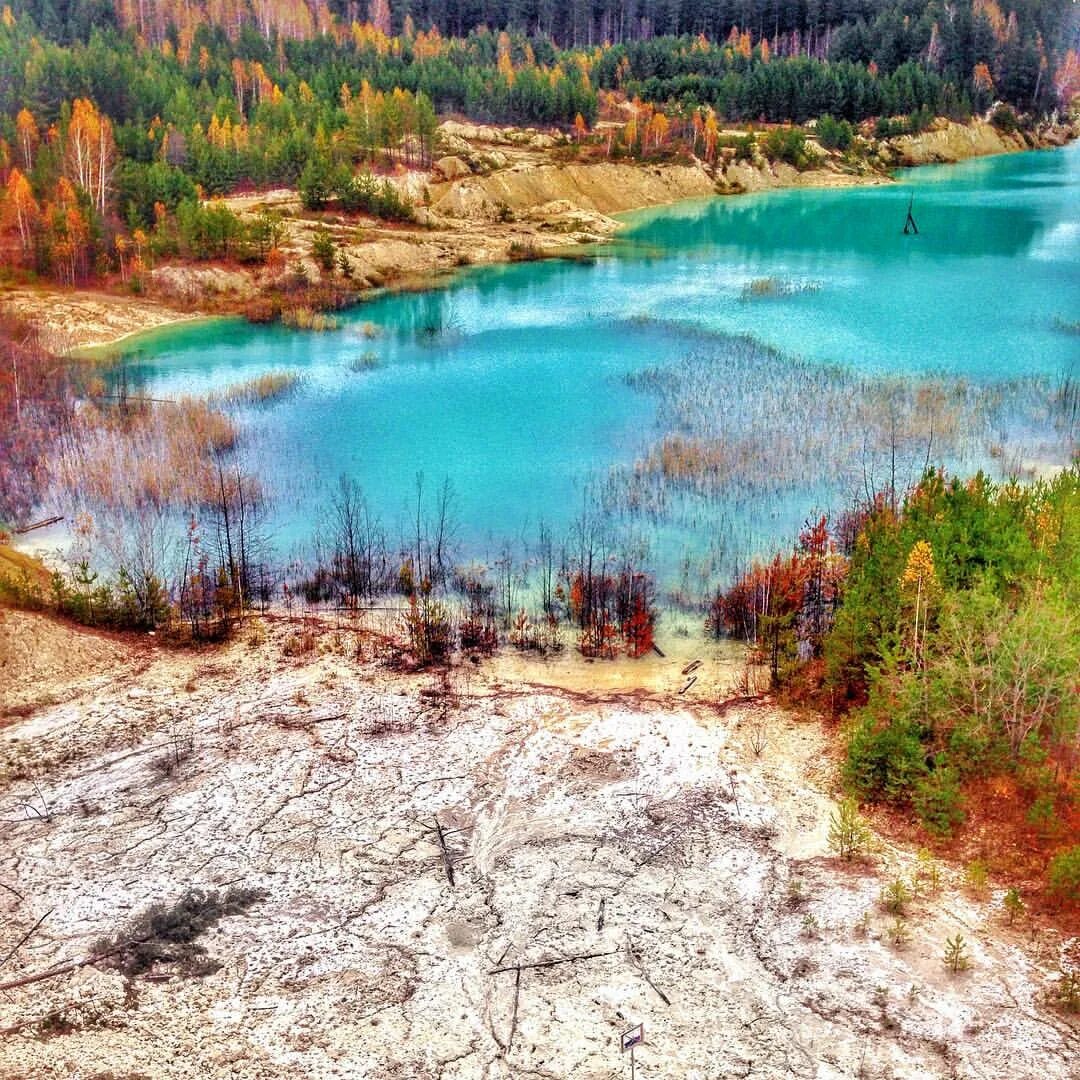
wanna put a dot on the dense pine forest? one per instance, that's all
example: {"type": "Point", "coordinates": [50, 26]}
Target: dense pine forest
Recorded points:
{"type": "Point", "coordinates": [116, 117]}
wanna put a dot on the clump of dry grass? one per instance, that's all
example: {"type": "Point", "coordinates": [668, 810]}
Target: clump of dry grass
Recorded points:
{"type": "Point", "coordinates": [774, 287]}
{"type": "Point", "coordinates": [364, 362]}
{"type": "Point", "coordinates": [302, 642]}
{"type": "Point", "coordinates": [523, 251]}
{"type": "Point", "coordinates": [263, 388]}
{"type": "Point", "coordinates": [159, 454]}
{"type": "Point", "coordinates": [306, 318]}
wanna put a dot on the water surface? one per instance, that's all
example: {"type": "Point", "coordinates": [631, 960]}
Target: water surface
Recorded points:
{"type": "Point", "coordinates": [511, 381]}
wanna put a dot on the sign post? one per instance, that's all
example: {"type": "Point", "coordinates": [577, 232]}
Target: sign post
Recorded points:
{"type": "Point", "coordinates": [629, 1040]}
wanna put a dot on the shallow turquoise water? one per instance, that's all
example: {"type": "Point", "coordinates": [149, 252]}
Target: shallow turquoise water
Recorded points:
{"type": "Point", "coordinates": [510, 382]}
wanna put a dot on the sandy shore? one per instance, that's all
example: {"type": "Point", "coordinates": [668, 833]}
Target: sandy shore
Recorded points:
{"type": "Point", "coordinates": [78, 318]}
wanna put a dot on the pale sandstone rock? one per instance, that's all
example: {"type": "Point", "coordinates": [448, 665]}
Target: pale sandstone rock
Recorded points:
{"type": "Point", "coordinates": [451, 168]}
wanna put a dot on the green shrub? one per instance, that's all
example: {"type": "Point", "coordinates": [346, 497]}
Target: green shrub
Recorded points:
{"type": "Point", "coordinates": [896, 896]}
{"type": "Point", "coordinates": [927, 872]}
{"type": "Point", "coordinates": [429, 628]}
{"type": "Point", "coordinates": [938, 800]}
{"type": "Point", "coordinates": [1063, 876]}
{"type": "Point", "coordinates": [886, 127]}
{"type": "Point", "coordinates": [976, 876]}
{"type": "Point", "coordinates": [898, 932]}
{"type": "Point", "coordinates": [121, 603]}
{"type": "Point", "coordinates": [834, 134]}
{"type": "Point", "coordinates": [22, 590]}
{"type": "Point", "coordinates": [956, 955]}
{"type": "Point", "coordinates": [884, 760]}
{"type": "Point", "coordinates": [212, 231]}
{"type": "Point", "coordinates": [1065, 993]}
{"type": "Point", "coordinates": [316, 182]}
{"type": "Point", "coordinates": [789, 145]}
{"type": "Point", "coordinates": [1014, 905]}
{"type": "Point", "coordinates": [848, 834]}
{"type": "Point", "coordinates": [364, 194]}
{"type": "Point", "coordinates": [322, 249]}
{"type": "Point", "coordinates": [920, 120]}
{"type": "Point", "coordinates": [1004, 119]}
{"type": "Point", "coordinates": [743, 145]}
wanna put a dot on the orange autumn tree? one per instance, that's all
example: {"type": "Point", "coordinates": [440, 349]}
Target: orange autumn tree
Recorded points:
{"type": "Point", "coordinates": [90, 152]}
{"type": "Point", "coordinates": [639, 615]}
{"type": "Point", "coordinates": [657, 130]}
{"type": "Point", "coordinates": [919, 586]}
{"type": "Point", "coordinates": [67, 235]}
{"type": "Point", "coordinates": [27, 137]}
{"type": "Point", "coordinates": [20, 211]}
{"type": "Point", "coordinates": [613, 611]}
{"type": "Point", "coordinates": [711, 136]}
{"type": "Point", "coordinates": [784, 607]}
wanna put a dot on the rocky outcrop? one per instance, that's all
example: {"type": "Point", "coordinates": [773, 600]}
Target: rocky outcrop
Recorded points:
{"type": "Point", "coordinates": [191, 284]}
{"type": "Point", "coordinates": [451, 168]}
{"type": "Point", "coordinates": [606, 188]}
{"type": "Point", "coordinates": [947, 142]}
{"type": "Point", "coordinates": [458, 135]}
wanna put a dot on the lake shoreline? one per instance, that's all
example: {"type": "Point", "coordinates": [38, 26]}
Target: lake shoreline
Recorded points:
{"type": "Point", "coordinates": [463, 228]}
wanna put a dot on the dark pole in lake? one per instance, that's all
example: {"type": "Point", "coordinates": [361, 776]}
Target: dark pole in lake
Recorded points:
{"type": "Point", "coordinates": [910, 228]}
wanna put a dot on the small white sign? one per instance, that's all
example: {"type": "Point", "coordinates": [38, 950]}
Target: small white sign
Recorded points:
{"type": "Point", "coordinates": [633, 1037]}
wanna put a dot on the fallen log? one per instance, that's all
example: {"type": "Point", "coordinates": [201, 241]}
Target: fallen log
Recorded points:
{"type": "Point", "coordinates": [549, 963]}
{"type": "Point", "coordinates": [68, 967]}
{"type": "Point", "coordinates": [44, 523]}
{"type": "Point", "coordinates": [447, 863]}
{"type": "Point", "coordinates": [514, 1016]}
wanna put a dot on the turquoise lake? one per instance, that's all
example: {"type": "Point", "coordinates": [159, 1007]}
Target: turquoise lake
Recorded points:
{"type": "Point", "coordinates": [512, 381]}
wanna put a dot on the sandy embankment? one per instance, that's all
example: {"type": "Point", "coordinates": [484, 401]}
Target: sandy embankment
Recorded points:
{"type": "Point", "coordinates": [82, 318]}
{"type": "Point", "coordinates": [673, 874]}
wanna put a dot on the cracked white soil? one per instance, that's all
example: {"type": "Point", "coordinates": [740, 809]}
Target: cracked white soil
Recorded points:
{"type": "Point", "coordinates": [638, 826]}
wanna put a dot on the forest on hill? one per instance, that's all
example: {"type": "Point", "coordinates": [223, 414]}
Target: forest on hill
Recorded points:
{"type": "Point", "coordinates": [942, 625]}
{"type": "Point", "coordinates": [115, 117]}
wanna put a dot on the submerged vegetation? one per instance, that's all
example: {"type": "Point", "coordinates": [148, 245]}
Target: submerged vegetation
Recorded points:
{"type": "Point", "coordinates": [262, 388]}
{"type": "Point", "coordinates": [728, 438]}
{"type": "Point", "coordinates": [770, 288]}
